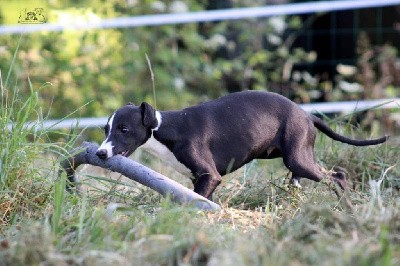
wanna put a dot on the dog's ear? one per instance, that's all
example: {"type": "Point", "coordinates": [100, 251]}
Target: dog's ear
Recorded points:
{"type": "Point", "coordinates": [129, 103]}
{"type": "Point", "coordinates": [148, 115]}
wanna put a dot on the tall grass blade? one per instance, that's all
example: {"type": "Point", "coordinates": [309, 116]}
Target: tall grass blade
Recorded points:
{"type": "Point", "coordinates": [13, 62]}
{"type": "Point", "coordinates": [82, 215]}
{"type": "Point", "coordinates": [152, 80]}
{"type": "Point", "coordinates": [59, 189]}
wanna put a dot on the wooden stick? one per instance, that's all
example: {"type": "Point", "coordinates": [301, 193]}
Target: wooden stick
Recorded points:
{"type": "Point", "coordinates": [86, 154]}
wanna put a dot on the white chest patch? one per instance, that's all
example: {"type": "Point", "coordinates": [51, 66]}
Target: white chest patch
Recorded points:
{"type": "Point", "coordinates": [158, 149]}
{"type": "Point", "coordinates": [159, 121]}
{"type": "Point", "coordinates": [107, 145]}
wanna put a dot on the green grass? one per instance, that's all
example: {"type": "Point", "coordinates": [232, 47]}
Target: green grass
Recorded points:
{"type": "Point", "coordinates": [263, 220]}
{"type": "Point", "coordinates": [27, 156]}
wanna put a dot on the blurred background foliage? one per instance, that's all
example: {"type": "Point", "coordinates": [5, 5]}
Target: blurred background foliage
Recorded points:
{"type": "Point", "coordinates": [191, 62]}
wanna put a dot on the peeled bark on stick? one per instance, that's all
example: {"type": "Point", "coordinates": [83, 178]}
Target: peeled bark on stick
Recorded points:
{"type": "Point", "coordinates": [86, 154]}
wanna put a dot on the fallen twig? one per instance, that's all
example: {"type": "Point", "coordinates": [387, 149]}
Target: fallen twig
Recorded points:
{"type": "Point", "coordinates": [86, 154]}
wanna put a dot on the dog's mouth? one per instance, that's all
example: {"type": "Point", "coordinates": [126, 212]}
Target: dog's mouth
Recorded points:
{"type": "Point", "coordinates": [124, 153]}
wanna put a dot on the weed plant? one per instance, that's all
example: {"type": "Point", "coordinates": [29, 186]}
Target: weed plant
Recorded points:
{"type": "Point", "coordinates": [27, 156]}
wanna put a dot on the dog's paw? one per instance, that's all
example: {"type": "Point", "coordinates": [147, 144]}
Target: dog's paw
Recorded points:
{"type": "Point", "coordinates": [295, 181]}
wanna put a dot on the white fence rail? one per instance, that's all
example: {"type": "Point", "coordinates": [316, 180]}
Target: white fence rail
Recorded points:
{"type": "Point", "coordinates": [203, 16]}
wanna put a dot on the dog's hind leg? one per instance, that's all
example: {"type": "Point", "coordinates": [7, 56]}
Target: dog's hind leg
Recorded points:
{"type": "Point", "coordinates": [304, 168]}
{"type": "Point", "coordinates": [298, 156]}
{"type": "Point", "coordinates": [302, 164]}
{"type": "Point", "coordinates": [298, 153]}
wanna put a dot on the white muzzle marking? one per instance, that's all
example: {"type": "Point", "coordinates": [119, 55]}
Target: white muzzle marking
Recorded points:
{"type": "Point", "coordinates": [107, 145]}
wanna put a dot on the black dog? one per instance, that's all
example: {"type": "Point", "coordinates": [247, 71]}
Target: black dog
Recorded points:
{"type": "Point", "coordinates": [220, 136]}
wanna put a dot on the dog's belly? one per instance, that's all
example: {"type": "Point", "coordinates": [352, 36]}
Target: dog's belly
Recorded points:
{"type": "Point", "coordinates": [240, 146]}
{"type": "Point", "coordinates": [271, 153]}
{"type": "Point", "coordinates": [159, 150]}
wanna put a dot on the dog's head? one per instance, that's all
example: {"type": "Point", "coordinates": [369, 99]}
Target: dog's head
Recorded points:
{"type": "Point", "coordinates": [128, 128]}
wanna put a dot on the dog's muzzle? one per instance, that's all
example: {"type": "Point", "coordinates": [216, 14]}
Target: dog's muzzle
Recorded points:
{"type": "Point", "coordinates": [102, 154]}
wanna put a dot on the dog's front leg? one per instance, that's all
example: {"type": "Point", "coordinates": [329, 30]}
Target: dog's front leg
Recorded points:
{"type": "Point", "coordinates": [201, 164]}
{"type": "Point", "coordinates": [206, 183]}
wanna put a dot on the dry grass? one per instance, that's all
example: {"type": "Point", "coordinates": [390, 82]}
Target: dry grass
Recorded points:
{"type": "Point", "coordinates": [264, 221]}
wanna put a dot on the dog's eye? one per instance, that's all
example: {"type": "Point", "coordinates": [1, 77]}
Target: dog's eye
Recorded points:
{"type": "Point", "coordinates": [124, 129]}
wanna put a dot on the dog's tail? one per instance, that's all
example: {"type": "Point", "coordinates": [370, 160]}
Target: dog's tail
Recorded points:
{"type": "Point", "coordinates": [324, 128]}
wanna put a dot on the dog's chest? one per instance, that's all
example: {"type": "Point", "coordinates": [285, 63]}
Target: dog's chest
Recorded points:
{"type": "Point", "coordinates": [159, 150]}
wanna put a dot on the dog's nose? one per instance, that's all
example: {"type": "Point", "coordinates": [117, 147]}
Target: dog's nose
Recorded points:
{"type": "Point", "coordinates": [102, 154]}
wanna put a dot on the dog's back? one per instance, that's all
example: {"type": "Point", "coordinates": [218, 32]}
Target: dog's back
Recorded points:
{"type": "Point", "coordinates": [238, 127]}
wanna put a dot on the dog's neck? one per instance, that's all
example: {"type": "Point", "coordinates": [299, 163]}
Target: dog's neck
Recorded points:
{"type": "Point", "coordinates": [165, 132]}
